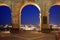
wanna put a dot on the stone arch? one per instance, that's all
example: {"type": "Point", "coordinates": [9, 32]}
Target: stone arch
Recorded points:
{"type": "Point", "coordinates": [30, 3]}
{"type": "Point", "coordinates": [54, 5]}
{"type": "Point", "coordinates": [5, 18]}
{"type": "Point", "coordinates": [4, 5]}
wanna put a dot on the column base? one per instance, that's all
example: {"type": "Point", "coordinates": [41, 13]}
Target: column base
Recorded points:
{"type": "Point", "coordinates": [45, 30]}
{"type": "Point", "coordinates": [14, 30]}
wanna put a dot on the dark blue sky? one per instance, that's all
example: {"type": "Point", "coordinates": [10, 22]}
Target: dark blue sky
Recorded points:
{"type": "Point", "coordinates": [5, 15]}
{"type": "Point", "coordinates": [55, 14]}
{"type": "Point", "coordinates": [30, 15]}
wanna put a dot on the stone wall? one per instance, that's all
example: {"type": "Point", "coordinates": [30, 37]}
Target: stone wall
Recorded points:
{"type": "Point", "coordinates": [15, 6]}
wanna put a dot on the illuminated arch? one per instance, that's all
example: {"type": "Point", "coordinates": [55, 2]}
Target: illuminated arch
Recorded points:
{"type": "Point", "coordinates": [30, 3]}
{"type": "Point", "coordinates": [53, 16]}
{"type": "Point", "coordinates": [4, 5]}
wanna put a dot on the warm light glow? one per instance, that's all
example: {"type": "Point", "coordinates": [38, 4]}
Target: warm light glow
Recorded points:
{"type": "Point", "coordinates": [3, 5]}
{"type": "Point", "coordinates": [40, 21]}
{"type": "Point", "coordinates": [6, 32]}
{"type": "Point", "coordinates": [57, 3]}
{"type": "Point", "coordinates": [28, 3]}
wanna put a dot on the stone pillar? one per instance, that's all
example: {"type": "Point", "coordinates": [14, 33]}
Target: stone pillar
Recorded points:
{"type": "Point", "coordinates": [45, 23]}
{"type": "Point", "coordinates": [16, 4]}
{"type": "Point", "coordinates": [45, 16]}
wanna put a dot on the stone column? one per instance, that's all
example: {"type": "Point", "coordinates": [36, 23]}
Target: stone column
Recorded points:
{"type": "Point", "coordinates": [45, 16]}
{"type": "Point", "coordinates": [16, 4]}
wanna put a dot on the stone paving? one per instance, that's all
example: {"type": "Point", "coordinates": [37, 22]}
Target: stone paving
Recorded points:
{"type": "Point", "coordinates": [27, 35]}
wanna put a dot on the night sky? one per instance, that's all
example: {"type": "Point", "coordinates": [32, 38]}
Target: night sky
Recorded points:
{"type": "Point", "coordinates": [5, 15]}
{"type": "Point", "coordinates": [30, 15]}
{"type": "Point", "coordinates": [55, 15]}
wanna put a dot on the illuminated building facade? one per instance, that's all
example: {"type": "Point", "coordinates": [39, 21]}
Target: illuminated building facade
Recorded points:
{"type": "Point", "coordinates": [17, 5]}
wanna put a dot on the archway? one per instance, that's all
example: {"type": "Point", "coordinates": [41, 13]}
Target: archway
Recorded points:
{"type": "Point", "coordinates": [5, 15]}
{"type": "Point", "coordinates": [30, 14]}
{"type": "Point", "coordinates": [54, 15]}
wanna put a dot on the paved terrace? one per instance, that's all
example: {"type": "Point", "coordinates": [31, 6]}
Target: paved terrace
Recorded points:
{"type": "Point", "coordinates": [26, 35]}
